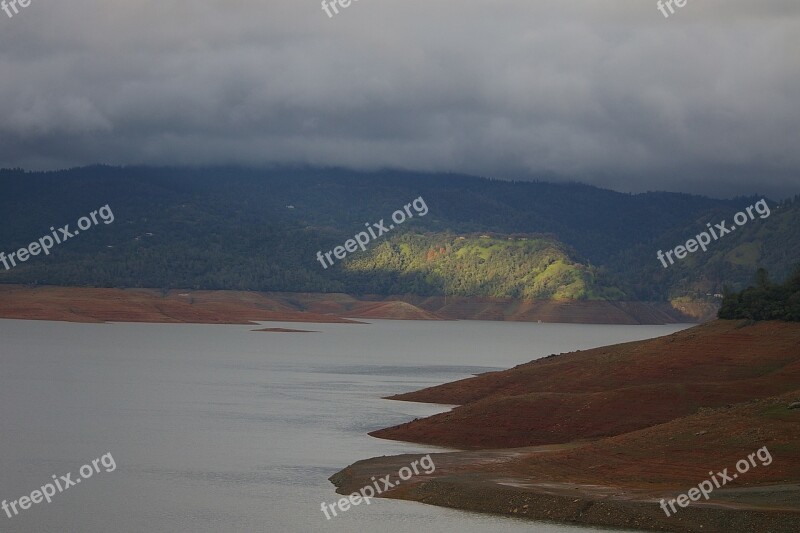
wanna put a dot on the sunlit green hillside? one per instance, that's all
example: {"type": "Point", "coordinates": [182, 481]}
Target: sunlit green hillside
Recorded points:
{"type": "Point", "coordinates": [519, 266]}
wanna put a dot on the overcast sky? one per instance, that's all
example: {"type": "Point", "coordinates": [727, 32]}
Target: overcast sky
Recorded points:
{"type": "Point", "coordinates": [607, 92]}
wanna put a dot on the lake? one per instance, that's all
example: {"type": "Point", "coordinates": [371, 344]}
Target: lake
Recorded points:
{"type": "Point", "coordinates": [219, 428]}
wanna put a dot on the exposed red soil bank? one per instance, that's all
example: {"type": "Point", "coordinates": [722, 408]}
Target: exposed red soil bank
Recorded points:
{"type": "Point", "coordinates": [611, 390]}
{"type": "Point", "coordinates": [236, 307]}
{"type": "Point", "coordinates": [395, 310]}
{"type": "Point", "coordinates": [562, 311]}
{"type": "Point", "coordinates": [600, 436]}
{"type": "Point", "coordinates": [148, 305]}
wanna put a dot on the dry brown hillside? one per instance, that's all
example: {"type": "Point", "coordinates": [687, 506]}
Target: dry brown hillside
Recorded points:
{"type": "Point", "coordinates": [611, 390]}
{"type": "Point", "coordinates": [600, 437]}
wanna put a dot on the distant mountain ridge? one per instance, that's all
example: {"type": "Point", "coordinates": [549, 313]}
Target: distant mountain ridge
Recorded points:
{"type": "Point", "coordinates": [245, 229]}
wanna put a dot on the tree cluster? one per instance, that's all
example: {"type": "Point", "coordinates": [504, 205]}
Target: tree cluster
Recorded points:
{"type": "Point", "coordinates": [765, 300]}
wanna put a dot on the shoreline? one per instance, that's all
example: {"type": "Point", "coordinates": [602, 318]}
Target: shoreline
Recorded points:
{"type": "Point", "coordinates": [599, 437]}
{"type": "Point", "coordinates": [82, 304]}
{"type": "Point", "coordinates": [568, 505]}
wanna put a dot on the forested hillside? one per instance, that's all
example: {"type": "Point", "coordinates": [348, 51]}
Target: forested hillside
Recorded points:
{"type": "Point", "coordinates": [519, 266]}
{"type": "Point", "coordinates": [230, 228]}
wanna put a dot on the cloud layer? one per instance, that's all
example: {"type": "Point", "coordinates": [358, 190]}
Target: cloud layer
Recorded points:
{"type": "Point", "coordinates": [608, 92]}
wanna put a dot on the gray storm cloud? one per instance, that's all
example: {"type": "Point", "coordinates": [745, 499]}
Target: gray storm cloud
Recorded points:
{"type": "Point", "coordinates": [608, 92]}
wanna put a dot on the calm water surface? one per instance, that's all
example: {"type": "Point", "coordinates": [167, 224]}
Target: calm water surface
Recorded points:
{"type": "Point", "coordinates": [222, 429]}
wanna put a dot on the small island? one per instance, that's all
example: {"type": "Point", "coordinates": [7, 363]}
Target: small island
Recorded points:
{"type": "Point", "coordinates": [285, 330]}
